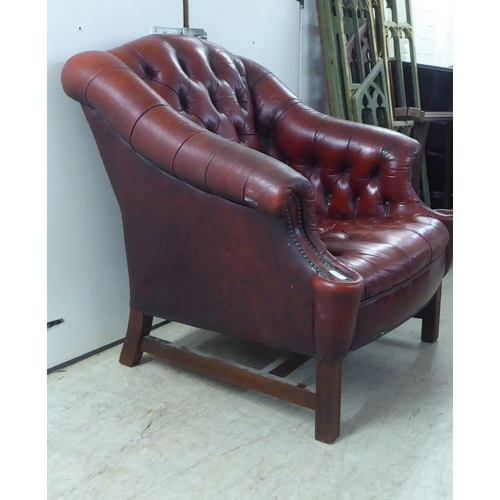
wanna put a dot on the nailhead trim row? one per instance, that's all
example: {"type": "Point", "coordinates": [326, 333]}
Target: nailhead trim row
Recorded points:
{"type": "Point", "coordinates": [299, 246]}
{"type": "Point", "coordinates": [313, 248]}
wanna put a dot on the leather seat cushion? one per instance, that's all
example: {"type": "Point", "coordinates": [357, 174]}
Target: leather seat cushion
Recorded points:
{"type": "Point", "coordinates": [385, 251]}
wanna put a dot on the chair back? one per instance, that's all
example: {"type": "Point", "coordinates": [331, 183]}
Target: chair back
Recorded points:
{"type": "Point", "coordinates": [199, 79]}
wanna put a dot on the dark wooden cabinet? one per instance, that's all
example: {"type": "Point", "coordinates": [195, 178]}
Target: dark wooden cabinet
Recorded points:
{"type": "Point", "coordinates": [436, 95]}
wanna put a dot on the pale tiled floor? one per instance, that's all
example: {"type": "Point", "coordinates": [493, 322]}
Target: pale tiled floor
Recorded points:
{"type": "Point", "coordinates": [160, 432]}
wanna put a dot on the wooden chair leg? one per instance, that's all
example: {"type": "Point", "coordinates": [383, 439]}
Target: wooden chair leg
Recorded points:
{"type": "Point", "coordinates": [139, 325]}
{"type": "Point", "coordinates": [430, 315]}
{"type": "Point", "coordinates": [328, 389]}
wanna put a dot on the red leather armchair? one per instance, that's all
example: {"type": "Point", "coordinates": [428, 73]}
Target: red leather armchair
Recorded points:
{"type": "Point", "coordinates": [247, 213]}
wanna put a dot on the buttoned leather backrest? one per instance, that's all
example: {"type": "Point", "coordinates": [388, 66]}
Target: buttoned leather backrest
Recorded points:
{"type": "Point", "coordinates": [200, 80]}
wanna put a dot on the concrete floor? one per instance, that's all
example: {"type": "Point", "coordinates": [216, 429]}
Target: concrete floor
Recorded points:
{"type": "Point", "coordinates": [160, 432]}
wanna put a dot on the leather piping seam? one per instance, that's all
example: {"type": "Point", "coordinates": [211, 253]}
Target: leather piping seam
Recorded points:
{"type": "Point", "coordinates": [389, 291]}
{"type": "Point", "coordinates": [381, 334]}
{"type": "Point", "coordinates": [280, 116]}
{"type": "Point", "coordinates": [267, 73]}
{"type": "Point", "coordinates": [98, 74]}
{"type": "Point", "coordinates": [371, 339]}
{"type": "Point", "coordinates": [210, 162]}
{"type": "Point", "coordinates": [177, 152]}
{"type": "Point", "coordinates": [137, 121]}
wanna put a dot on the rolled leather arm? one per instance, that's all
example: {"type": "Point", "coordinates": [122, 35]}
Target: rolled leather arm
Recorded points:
{"type": "Point", "coordinates": [370, 166]}
{"type": "Point", "coordinates": [366, 168]}
{"type": "Point", "coordinates": [379, 164]}
{"type": "Point", "coordinates": [175, 144]}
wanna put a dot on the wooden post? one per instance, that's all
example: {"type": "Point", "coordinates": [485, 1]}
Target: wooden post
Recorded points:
{"type": "Point", "coordinates": [139, 326]}
{"type": "Point", "coordinates": [186, 13]}
{"type": "Point", "coordinates": [328, 390]}
{"type": "Point", "coordinates": [430, 315]}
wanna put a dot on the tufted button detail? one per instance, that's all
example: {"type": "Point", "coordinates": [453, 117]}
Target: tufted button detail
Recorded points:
{"type": "Point", "coordinates": [204, 82]}
{"type": "Point", "coordinates": [149, 72]}
{"type": "Point", "coordinates": [183, 103]}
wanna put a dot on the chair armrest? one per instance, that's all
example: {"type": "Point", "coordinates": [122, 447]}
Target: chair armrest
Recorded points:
{"type": "Point", "coordinates": [367, 170]}
{"type": "Point", "coordinates": [363, 170]}
{"type": "Point", "coordinates": [175, 144]}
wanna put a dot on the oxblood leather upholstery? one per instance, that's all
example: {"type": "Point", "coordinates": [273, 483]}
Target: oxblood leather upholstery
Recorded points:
{"type": "Point", "coordinates": [248, 213]}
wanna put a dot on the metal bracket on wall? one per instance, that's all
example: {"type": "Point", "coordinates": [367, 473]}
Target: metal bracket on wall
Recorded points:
{"type": "Point", "coordinates": [198, 32]}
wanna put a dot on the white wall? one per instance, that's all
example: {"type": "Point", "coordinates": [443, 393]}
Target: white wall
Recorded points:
{"type": "Point", "coordinates": [87, 275]}
{"type": "Point", "coordinates": [433, 26]}
{"type": "Point", "coordinates": [262, 30]}
{"type": "Point", "coordinates": [87, 279]}
{"type": "Point", "coordinates": [313, 84]}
